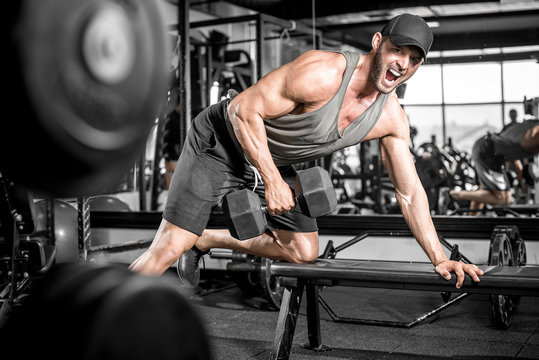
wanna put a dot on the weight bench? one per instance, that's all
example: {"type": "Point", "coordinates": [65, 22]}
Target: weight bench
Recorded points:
{"type": "Point", "coordinates": [504, 280]}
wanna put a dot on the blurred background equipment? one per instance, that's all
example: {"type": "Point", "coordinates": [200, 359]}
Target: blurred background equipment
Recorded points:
{"type": "Point", "coordinates": [88, 311]}
{"type": "Point", "coordinates": [85, 82]}
{"type": "Point", "coordinates": [65, 227]}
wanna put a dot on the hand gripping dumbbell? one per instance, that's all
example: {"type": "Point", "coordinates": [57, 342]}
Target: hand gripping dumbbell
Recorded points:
{"type": "Point", "coordinates": [246, 217]}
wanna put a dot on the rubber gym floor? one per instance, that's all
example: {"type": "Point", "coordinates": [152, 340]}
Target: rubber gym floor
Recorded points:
{"type": "Point", "coordinates": [241, 327]}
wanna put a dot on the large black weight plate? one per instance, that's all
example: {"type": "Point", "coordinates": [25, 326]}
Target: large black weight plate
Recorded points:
{"type": "Point", "coordinates": [106, 312]}
{"type": "Point", "coordinates": [259, 281]}
{"type": "Point", "coordinates": [517, 243]}
{"type": "Point", "coordinates": [87, 78]}
{"type": "Point", "coordinates": [271, 285]}
{"type": "Point", "coordinates": [519, 256]}
{"type": "Point", "coordinates": [519, 253]}
{"type": "Point", "coordinates": [501, 254]}
{"type": "Point", "coordinates": [248, 281]}
{"type": "Point", "coordinates": [519, 250]}
{"type": "Point", "coordinates": [433, 172]}
{"type": "Point", "coordinates": [431, 167]}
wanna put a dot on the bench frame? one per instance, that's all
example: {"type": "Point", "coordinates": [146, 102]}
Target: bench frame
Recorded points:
{"type": "Point", "coordinates": [517, 281]}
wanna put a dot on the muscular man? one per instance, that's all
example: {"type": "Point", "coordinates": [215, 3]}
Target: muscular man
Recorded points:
{"type": "Point", "coordinates": [318, 103]}
{"type": "Point", "coordinates": [517, 141]}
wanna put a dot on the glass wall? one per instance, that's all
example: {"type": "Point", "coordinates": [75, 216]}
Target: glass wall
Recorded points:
{"type": "Point", "coordinates": [425, 87]}
{"type": "Point", "coordinates": [520, 78]}
{"type": "Point", "coordinates": [427, 120]}
{"type": "Point", "coordinates": [465, 124]}
{"type": "Point", "coordinates": [472, 83]}
{"type": "Point", "coordinates": [464, 101]}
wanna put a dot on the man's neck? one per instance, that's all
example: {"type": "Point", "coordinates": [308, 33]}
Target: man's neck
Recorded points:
{"type": "Point", "coordinates": [361, 80]}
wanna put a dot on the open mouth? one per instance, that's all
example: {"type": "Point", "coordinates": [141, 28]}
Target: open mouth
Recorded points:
{"type": "Point", "coordinates": [392, 76]}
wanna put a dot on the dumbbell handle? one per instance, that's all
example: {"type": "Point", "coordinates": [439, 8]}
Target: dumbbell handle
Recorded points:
{"type": "Point", "coordinates": [296, 199]}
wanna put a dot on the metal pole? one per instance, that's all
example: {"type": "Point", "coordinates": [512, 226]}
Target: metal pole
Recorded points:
{"type": "Point", "coordinates": [156, 170]}
{"type": "Point", "coordinates": [314, 23]}
{"type": "Point", "coordinates": [141, 181]}
{"type": "Point", "coordinates": [83, 222]}
{"type": "Point", "coordinates": [503, 95]}
{"type": "Point", "coordinates": [184, 69]}
{"type": "Point", "coordinates": [259, 45]}
{"type": "Point", "coordinates": [443, 104]}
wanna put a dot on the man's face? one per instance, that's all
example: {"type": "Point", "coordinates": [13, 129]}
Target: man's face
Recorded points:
{"type": "Point", "coordinates": [393, 65]}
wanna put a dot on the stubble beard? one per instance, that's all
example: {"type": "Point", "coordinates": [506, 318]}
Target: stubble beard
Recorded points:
{"type": "Point", "coordinates": [377, 73]}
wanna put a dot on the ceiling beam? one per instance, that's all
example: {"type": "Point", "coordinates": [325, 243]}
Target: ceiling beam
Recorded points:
{"type": "Point", "coordinates": [302, 9]}
{"type": "Point", "coordinates": [527, 55]}
{"type": "Point", "coordinates": [467, 17]}
{"type": "Point", "coordinates": [485, 40]}
{"type": "Point", "coordinates": [463, 41]}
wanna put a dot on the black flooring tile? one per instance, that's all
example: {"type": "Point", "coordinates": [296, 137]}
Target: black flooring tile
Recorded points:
{"type": "Point", "coordinates": [242, 327]}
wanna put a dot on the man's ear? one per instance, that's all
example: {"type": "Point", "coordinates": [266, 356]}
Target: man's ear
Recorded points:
{"type": "Point", "coordinates": [376, 40]}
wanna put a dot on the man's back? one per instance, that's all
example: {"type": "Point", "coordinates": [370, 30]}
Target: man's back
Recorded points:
{"type": "Point", "coordinates": [508, 142]}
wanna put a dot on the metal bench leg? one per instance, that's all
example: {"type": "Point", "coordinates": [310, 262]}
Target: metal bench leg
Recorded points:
{"type": "Point", "coordinates": [313, 320]}
{"type": "Point", "coordinates": [286, 324]}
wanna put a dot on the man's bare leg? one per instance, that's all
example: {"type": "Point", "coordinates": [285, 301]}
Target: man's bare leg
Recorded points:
{"type": "Point", "coordinates": [168, 244]}
{"type": "Point", "coordinates": [279, 245]}
{"type": "Point", "coordinates": [171, 241]}
{"type": "Point", "coordinates": [275, 244]}
{"type": "Point", "coordinates": [482, 195]}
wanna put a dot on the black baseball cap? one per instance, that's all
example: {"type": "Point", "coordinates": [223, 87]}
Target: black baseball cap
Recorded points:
{"type": "Point", "coordinates": [408, 29]}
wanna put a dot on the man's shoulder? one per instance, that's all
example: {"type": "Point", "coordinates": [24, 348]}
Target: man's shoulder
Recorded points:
{"type": "Point", "coordinates": [326, 57]}
{"type": "Point", "coordinates": [393, 108]}
{"type": "Point", "coordinates": [319, 71]}
{"type": "Point", "coordinates": [394, 116]}
{"type": "Point", "coordinates": [323, 52]}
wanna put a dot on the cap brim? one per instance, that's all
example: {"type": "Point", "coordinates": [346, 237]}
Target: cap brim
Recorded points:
{"type": "Point", "coordinates": [400, 40]}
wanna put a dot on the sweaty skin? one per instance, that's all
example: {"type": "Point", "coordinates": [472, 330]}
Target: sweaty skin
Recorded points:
{"type": "Point", "coordinates": [309, 82]}
{"type": "Point", "coordinates": [304, 85]}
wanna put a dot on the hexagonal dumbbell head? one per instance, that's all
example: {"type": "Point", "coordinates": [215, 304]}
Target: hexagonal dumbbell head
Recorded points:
{"type": "Point", "coordinates": [243, 214]}
{"type": "Point", "coordinates": [315, 192]}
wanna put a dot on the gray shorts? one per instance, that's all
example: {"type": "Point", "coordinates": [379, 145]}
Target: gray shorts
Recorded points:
{"type": "Point", "coordinates": [489, 167]}
{"type": "Point", "coordinates": [210, 166]}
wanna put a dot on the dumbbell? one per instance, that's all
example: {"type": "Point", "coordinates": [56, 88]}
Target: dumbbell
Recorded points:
{"type": "Point", "coordinates": [245, 215]}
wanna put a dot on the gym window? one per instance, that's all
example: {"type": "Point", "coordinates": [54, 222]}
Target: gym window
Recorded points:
{"type": "Point", "coordinates": [464, 100]}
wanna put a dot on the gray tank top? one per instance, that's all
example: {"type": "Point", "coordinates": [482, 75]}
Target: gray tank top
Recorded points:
{"type": "Point", "coordinates": [299, 138]}
{"type": "Point", "coordinates": [507, 142]}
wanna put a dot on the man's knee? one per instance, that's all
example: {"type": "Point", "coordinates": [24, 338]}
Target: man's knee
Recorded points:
{"type": "Point", "coordinates": [302, 248]}
{"type": "Point", "coordinates": [171, 242]}
{"type": "Point", "coordinates": [166, 250]}
{"type": "Point", "coordinates": [304, 256]}
{"type": "Point", "coordinates": [307, 257]}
